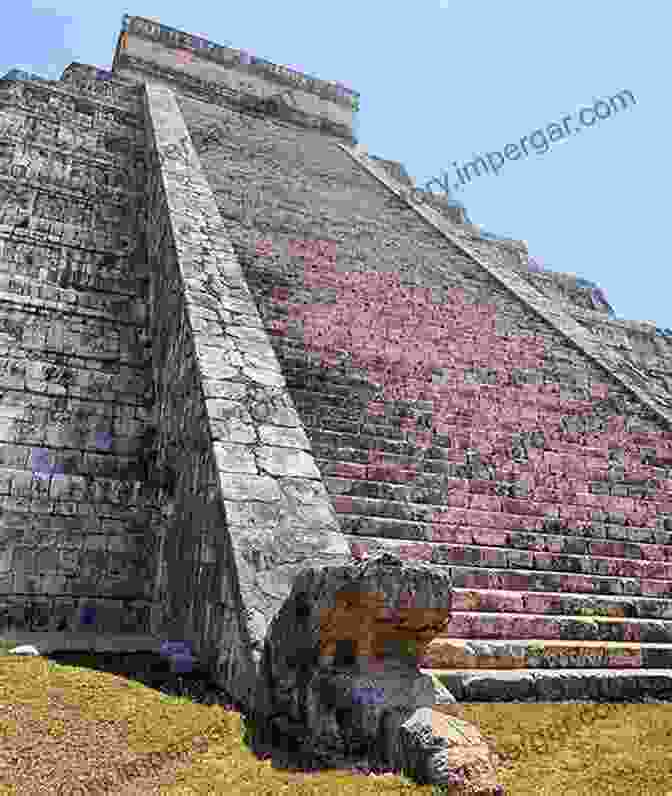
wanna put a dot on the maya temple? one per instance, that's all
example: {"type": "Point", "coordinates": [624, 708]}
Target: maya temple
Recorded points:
{"type": "Point", "coordinates": [237, 347]}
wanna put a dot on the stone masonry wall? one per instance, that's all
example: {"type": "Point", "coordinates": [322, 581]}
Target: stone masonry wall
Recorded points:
{"type": "Point", "coordinates": [78, 519]}
{"type": "Point", "coordinates": [249, 507]}
{"type": "Point", "coordinates": [229, 351]}
{"type": "Point", "coordinates": [450, 422]}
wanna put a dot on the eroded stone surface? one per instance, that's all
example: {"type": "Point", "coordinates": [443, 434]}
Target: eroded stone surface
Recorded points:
{"type": "Point", "coordinates": [446, 750]}
{"type": "Point", "coordinates": [339, 675]}
{"type": "Point", "coordinates": [78, 495]}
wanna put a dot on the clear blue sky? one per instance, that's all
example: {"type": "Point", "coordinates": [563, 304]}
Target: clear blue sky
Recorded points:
{"type": "Point", "coordinates": [443, 81]}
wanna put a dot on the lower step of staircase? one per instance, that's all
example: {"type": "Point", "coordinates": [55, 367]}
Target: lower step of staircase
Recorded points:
{"type": "Point", "coordinates": [468, 654]}
{"type": "Point", "coordinates": [568, 685]}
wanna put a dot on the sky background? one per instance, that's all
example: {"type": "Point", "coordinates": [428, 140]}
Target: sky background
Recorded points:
{"type": "Point", "coordinates": [443, 81]}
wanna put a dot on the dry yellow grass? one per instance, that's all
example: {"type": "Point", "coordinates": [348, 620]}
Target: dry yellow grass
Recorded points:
{"type": "Point", "coordinates": [60, 725]}
{"type": "Point", "coordinates": [580, 749]}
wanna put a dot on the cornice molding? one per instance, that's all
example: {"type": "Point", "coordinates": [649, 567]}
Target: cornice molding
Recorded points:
{"type": "Point", "coordinates": [216, 93]}
{"type": "Point", "coordinates": [230, 57]}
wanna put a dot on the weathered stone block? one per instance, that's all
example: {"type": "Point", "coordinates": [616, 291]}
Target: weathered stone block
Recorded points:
{"type": "Point", "coordinates": [233, 458]}
{"type": "Point", "coordinates": [339, 673]}
{"type": "Point", "coordinates": [446, 750]}
{"type": "Point", "coordinates": [286, 462]}
{"type": "Point", "coordinates": [238, 487]}
{"type": "Point", "coordinates": [279, 436]}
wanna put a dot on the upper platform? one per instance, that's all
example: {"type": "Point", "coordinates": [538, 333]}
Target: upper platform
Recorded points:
{"type": "Point", "coordinates": [225, 75]}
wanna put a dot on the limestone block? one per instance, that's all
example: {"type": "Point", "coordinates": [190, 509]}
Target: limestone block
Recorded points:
{"type": "Point", "coordinates": [445, 750]}
{"type": "Point", "coordinates": [239, 486]}
{"type": "Point", "coordinates": [24, 649]}
{"type": "Point", "coordinates": [233, 458]}
{"type": "Point", "coordinates": [339, 676]}
{"type": "Point", "coordinates": [259, 375]}
{"type": "Point", "coordinates": [286, 462]}
{"type": "Point", "coordinates": [444, 701]}
{"type": "Point", "coordinates": [284, 437]}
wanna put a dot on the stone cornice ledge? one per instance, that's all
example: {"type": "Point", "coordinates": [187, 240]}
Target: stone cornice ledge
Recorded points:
{"type": "Point", "coordinates": [232, 57]}
{"type": "Point", "coordinates": [218, 94]}
{"type": "Point", "coordinates": [617, 367]}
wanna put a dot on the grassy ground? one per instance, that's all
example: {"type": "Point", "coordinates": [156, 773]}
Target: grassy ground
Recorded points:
{"type": "Point", "coordinates": [108, 711]}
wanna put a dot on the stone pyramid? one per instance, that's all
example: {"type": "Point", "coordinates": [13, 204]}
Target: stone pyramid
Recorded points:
{"type": "Point", "coordinates": [232, 346]}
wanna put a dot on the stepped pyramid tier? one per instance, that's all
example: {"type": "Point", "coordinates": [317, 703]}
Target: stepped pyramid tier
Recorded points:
{"type": "Point", "coordinates": [232, 350]}
{"type": "Point", "coordinates": [21, 74]}
{"type": "Point", "coordinates": [568, 287]}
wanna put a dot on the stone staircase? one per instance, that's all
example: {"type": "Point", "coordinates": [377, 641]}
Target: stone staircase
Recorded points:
{"type": "Point", "coordinates": [547, 613]}
{"type": "Point", "coordinates": [535, 567]}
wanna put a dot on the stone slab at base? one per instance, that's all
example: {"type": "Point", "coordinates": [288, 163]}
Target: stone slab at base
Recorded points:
{"type": "Point", "coordinates": [543, 685]}
{"type": "Point", "coordinates": [49, 643]}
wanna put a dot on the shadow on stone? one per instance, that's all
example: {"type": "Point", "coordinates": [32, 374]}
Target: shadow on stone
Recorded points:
{"type": "Point", "coordinates": [155, 671]}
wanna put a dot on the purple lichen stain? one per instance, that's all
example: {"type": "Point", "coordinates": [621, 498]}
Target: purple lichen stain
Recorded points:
{"type": "Point", "coordinates": [535, 265]}
{"type": "Point", "coordinates": [103, 440]}
{"type": "Point", "coordinates": [87, 615]}
{"type": "Point", "coordinates": [368, 695]}
{"type": "Point", "coordinates": [179, 654]}
{"type": "Point", "coordinates": [41, 467]}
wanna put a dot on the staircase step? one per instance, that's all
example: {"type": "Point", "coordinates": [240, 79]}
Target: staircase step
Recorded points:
{"type": "Point", "coordinates": [453, 653]}
{"type": "Point", "coordinates": [542, 685]}
{"type": "Point", "coordinates": [529, 580]}
{"type": "Point", "coordinates": [561, 604]}
{"type": "Point", "coordinates": [508, 570]}
{"type": "Point", "coordinates": [504, 625]}
{"type": "Point", "coordinates": [497, 521]}
{"type": "Point", "coordinates": [523, 536]}
{"type": "Point", "coordinates": [440, 491]}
